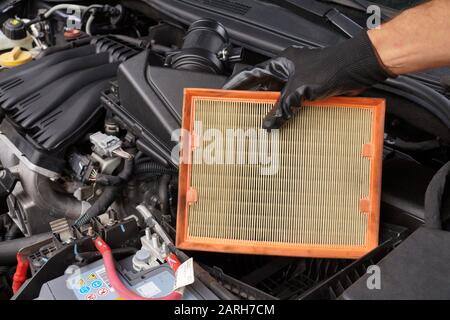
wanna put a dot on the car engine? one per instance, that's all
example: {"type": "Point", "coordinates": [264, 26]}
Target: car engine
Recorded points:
{"type": "Point", "coordinates": [88, 107]}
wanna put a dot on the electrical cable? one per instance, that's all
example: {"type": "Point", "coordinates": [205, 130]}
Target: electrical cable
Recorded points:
{"type": "Point", "coordinates": [108, 196]}
{"type": "Point", "coordinates": [115, 281]}
{"type": "Point", "coordinates": [89, 22]}
{"type": "Point", "coordinates": [63, 6]}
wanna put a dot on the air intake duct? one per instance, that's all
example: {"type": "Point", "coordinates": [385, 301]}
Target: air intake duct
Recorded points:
{"type": "Point", "coordinates": [204, 48]}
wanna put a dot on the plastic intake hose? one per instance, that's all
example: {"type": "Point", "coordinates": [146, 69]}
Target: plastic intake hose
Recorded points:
{"type": "Point", "coordinates": [115, 281]}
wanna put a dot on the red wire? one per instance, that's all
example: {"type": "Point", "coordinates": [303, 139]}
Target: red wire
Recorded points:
{"type": "Point", "coordinates": [21, 273]}
{"type": "Point", "coordinates": [115, 281]}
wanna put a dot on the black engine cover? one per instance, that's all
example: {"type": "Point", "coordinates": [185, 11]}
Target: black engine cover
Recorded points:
{"type": "Point", "coordinates": [49, 103]}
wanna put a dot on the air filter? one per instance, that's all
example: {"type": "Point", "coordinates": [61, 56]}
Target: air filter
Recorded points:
{"type": "Point", "coordinates": [310, 189]}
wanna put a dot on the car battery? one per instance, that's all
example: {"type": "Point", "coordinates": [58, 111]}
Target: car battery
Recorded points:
{"type": "Point", "coordinates": [91, 283]}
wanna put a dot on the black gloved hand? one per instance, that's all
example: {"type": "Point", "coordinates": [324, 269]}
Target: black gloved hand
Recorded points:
{"type": "Point", "coordinates": [311, 74]}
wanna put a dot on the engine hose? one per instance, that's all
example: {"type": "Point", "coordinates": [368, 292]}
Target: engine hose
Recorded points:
{"type": "Point", "coordinates": [115, 281]}
{"type": "Point", "coordinates": [41, 190]}
{"type": "Point", "coordinates": [4, 270]}
{"type": "Point", "coordinates": [108, 196]}
{"type": "Point", "coordinates": [13, 233]}
{"type": "Point", "coordinates": [154, 167]}
{"type": "Point", "coordinates": [414, 146]}
{"type": "Point", "coordinates": [9, 249]}
{"type": "Point", "coordinates": [163, 193]}
{"type": "Point", "coordinates": [433, 197]}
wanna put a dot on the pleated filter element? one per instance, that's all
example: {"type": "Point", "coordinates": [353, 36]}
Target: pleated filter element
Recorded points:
{"type": "Point", "coordinates": [310, 189]}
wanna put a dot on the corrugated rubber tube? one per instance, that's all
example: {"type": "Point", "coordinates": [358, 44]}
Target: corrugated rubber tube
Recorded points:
{"type": "Point", "coordinates": [154, 167]}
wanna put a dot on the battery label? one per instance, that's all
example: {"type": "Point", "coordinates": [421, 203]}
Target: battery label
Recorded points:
{"type": "Point", "coordinates": [148, 290]}
{"type": "Point", "coordinates": [102, 275]}
{"type": "Point", "coordinates": [94, 284]}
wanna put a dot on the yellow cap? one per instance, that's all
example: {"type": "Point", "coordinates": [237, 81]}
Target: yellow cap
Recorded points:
{"type": "Point", "coordinates": [15, 57]}
{"type": "Point", "coordinates": [14, 22]}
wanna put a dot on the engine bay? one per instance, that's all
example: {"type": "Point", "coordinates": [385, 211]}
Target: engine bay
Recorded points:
{"type": "Point", "coordinates": [86, 142]}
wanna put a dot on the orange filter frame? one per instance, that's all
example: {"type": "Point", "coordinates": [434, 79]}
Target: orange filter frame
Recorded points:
{"type": "Point", "coordinates": [324, 199]}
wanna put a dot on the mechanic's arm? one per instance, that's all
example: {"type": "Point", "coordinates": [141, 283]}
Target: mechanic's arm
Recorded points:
{"type": "Point", "coordinates": [415, 40]}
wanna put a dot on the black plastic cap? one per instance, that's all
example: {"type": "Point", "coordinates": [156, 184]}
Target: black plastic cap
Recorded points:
{"type": "Point", "coordinates": [14, 29]}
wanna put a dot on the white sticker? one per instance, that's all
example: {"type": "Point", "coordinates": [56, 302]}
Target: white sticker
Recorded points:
{"type": "Point", "coordinates": [148, 290]}
{"type": "Point", "coordinates": [184, 275]}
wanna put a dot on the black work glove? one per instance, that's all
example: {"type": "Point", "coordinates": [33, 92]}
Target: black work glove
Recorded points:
{"type": "Point", "coordinates": [311, 74]}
